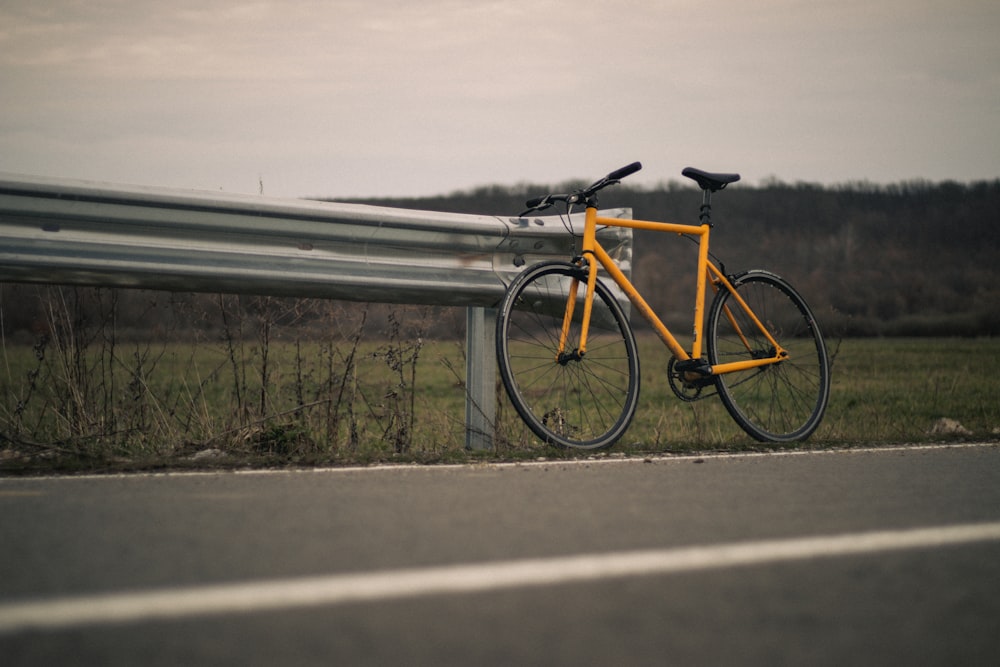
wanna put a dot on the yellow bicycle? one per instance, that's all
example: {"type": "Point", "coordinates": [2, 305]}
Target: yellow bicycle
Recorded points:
{"type": "Point", "coordinates": [567, 353]}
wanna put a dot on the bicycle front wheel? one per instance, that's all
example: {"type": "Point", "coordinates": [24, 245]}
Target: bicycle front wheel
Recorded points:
{"type": "Point", "coordinates": [581, 401]}
{"type": "Point", "coordinates": [781, 402]}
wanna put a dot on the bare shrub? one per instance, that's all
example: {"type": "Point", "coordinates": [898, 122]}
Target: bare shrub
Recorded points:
{"type": "Point", "coordinates": [305, 379]}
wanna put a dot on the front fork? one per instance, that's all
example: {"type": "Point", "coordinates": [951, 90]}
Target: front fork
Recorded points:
{"type": "Point", "coordinates": [564, 356]}
{"type": "Point", "coordinates": [590, 264]}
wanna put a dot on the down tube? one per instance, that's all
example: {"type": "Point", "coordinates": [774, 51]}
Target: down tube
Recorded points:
{"type": "Point", "coordinates": [640, 303]}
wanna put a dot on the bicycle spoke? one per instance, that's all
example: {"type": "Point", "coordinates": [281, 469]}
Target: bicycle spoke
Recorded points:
{"type": "Point", "coordinates": [583, 401]}
{"type": "Point", "coordinates": [779, 402]}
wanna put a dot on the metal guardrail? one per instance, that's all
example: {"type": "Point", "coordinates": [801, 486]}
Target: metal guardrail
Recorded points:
{"type": "Point", "coordinates": [76, 232]}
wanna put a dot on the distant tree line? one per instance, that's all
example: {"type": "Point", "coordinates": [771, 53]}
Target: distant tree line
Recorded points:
{"type": "Point", "coordinates": [908, 259]}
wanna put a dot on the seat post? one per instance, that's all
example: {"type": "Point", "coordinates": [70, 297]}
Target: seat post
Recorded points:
{"type": "Point", "coordinates": [705, 212]}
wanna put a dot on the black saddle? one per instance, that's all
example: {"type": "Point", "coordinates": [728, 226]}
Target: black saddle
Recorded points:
{"type": "Point", "coordinates": [709, 181]}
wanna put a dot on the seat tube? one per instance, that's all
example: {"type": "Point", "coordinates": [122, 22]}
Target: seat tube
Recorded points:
{"type": "Point", "coordinates": [699, 298]}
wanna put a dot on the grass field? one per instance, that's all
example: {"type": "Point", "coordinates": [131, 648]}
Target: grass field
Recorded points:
{"type": "Point", "coordinates": [169, 405]}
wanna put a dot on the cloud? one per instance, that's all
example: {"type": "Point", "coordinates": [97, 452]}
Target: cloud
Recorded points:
{"type": "Point", "coordinates": [397, 97]}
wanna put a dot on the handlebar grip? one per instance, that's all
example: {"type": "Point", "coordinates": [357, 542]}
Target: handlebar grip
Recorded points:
{"type": "Point", "coordinates": [619, 174]}
{"type": "Point", "coordinates": [535, 202]}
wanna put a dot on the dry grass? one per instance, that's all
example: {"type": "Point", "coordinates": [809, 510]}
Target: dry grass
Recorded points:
{"type": "Point", "coordinates": [81, 397]}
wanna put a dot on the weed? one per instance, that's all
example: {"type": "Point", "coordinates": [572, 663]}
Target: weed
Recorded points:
{"type": "Point", "coordinates": [310, 381]}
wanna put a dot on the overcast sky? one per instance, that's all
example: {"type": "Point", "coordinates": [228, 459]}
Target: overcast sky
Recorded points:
{"type": "Point", "coordinates": [348, 98]}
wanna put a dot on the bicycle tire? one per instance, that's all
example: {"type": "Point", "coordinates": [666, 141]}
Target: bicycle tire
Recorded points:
{"type": "Point", "coordinates": [783, 402]}
{"type": "Point", "coordinates": [582, 403]}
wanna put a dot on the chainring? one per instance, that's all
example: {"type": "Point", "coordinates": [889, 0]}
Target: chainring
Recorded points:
{"type": "Point", "coordinates": [684, 390]}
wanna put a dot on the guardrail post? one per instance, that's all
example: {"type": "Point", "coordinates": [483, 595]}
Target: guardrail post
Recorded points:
{"type": "Point", "coordinates": [480, 377]}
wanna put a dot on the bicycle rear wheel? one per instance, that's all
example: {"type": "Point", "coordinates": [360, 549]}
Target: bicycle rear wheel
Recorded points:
{"type": "Point", "coordinates": [583, 402]}
{"type": "Point", "coordinates": [782, 402]}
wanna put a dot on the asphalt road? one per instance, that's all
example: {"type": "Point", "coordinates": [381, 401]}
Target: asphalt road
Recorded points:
{"type": "Point", "coordinates": [859, 557]}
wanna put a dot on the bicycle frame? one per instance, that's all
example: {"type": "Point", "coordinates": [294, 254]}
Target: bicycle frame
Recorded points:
{"type": "Point", "coordinates": [707, 272]}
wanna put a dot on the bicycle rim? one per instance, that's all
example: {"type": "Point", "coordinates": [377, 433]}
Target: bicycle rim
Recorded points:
{"type": "Point", "coordinates": [782, 402]}
{"type": "Point", "coordinates": [584, 403]}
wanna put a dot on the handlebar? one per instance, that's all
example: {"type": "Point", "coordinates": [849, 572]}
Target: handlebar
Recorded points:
{"type": "Point", "coordinates": [627, 170]}
{"type": "Point", "coordinates": [587, 194]}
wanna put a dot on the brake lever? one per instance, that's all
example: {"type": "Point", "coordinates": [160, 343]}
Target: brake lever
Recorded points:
{"type": "Point", "coordinates": [533, 210]}
{"type": "Point", "coordinates": [537, 204]}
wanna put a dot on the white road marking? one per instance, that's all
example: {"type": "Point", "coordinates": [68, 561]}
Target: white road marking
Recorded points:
{"type": "Point", "coordinates": [598, 459]}
{"type": "Point", "coordinates": [338, 589]}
